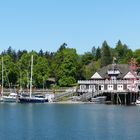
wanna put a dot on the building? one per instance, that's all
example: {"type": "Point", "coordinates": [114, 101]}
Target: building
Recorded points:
{"type": "Point", "coordinates": [112, 80]}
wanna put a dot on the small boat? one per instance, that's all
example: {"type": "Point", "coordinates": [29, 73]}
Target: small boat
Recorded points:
{"type": "Point", "coordinates": [49, 97]}
{"type": "Point", "coordinates": [138, 101]}
{"type": "Point", "coordinates": [12, 97]}
{"type": "Point", "coordinates": [99, 99]}
{"type": "Point", "coordinates": [1, 99]}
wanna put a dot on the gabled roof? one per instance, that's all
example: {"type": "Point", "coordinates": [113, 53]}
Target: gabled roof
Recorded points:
{"type": "Point", "coordinates": [129, 75]}
{"type": "Point", "coordinates": [123, 69]}
{"type": "Point", "coordinates": [96, 75]}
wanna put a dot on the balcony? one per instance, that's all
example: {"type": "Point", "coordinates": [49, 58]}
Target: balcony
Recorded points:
{"type": "Point", "coordinates": [113, 72]}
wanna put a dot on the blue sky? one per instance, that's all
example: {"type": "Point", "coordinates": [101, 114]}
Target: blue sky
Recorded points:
{"type": "Point", "coordinates": [82, 24]}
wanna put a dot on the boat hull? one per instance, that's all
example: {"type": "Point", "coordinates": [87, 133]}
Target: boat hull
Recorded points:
{"type": "Point", "coordinates": [1, 99]}
{"type": "Point", "coordinates": [138, 102]}
{"type": "Point", "coordinates": [100, 99]}
{"type": "Point", "coordinates": [32, 100]}
{"type": "Point", "coordinates": [13, 97]}
{"type": "Point", "coordinates": [6, 99]}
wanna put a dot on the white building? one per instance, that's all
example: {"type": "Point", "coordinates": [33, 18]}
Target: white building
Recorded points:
{"type": "Point", "coordinates": [112, 78]}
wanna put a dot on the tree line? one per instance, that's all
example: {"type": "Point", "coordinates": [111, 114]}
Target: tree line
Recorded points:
{"type": "Point", "coordinates": [65, 65]}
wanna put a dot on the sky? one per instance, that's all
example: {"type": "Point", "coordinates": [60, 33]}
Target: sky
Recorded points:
{"type": "Point", "coordinates": [82, 24]}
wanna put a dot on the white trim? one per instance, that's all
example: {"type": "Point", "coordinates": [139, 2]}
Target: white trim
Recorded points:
{"type": "Point", "coordinates": [129, 75]}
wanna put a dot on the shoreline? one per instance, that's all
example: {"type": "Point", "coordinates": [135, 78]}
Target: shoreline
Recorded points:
{"type": "Point", "coordinates": [71, 102]}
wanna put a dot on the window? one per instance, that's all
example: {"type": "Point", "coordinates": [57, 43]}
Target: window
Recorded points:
{"type": "Point", "coordinates": [119, 87]}
{"type": "Point", "coordinates": [82, 86]}
{"type": "Point", "coordinates": [110, 87]}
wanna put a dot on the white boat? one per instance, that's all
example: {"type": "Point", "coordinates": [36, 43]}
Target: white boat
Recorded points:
{"type": "Point", "coordinates": [138, 101]}
{"type": "Point", "coordinates": [1, 99]}
{"type": "Point", "coordinates": [12, 97]}
{"type": "Point", "coordinates": [99, 99]}
{"type": "Point", "coordinates": [49, 97]}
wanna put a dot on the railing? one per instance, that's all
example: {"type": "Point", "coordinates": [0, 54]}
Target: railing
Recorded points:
{"type": "Point", "coordinates": [89, 95]}
{"type": "Point", "coordinates": [86, 96]}
{"type": "Point", "coordinates": [68, 92]}
{"type": "Point", "coordinates": [103, 91]}
{"type": "Point", "coordinates": [106, 81]}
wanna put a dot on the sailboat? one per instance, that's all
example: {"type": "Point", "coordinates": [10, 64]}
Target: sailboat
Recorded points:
{"type": "Point", "coordinates": [12, 97]}
{"type": "Point", "coordinates": [30, 98]}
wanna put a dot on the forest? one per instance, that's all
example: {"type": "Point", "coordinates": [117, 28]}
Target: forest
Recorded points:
{"type": "Point", "coordinates": [65, 65]}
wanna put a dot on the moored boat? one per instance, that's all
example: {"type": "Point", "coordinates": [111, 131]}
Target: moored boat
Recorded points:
{"type": "Point", "coordinates": [1, 99]}
{"type": "Point", "coordinates": [12, 97]}
{"type": "Point", "coordinates": [138, 101]}
{"type": "Point", "coordinates": [49, 97]}
{"type": "Point", "coordinates": [30, 98]}
{"type": "Point", "coordinates": [99, 99]}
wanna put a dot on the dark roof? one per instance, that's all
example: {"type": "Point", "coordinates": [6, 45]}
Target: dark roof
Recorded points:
{"type": "Point", "coordinates": [123, 68]}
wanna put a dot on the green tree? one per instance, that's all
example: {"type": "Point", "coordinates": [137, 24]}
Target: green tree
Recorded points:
{"type": "Point", "coordinates": [24, 66]}
{"type": "Point", "coordinates": [41, 53]}
{"type": "Point", "coordinates": [121, 51]}
{"type": "Point", "coordinates": [106, 55]}
{"type": "Point", "coordinates": [98, 53]}
{"type": "Point", "coordinates": [10, 71]}
{"type": "Point", "coordinates": [94, 51]}
{"type": "Point", "coordinates": [65, 66]}
{"type": "Point", "coordinates": [90, 69]}
{"type": "Point", "coordinates": [41, 71]}
{"type": "Point", "coordinates": [63, 46]}
{"type": "Point", "coordinates": [87, 58]}
{"type": "Point", "coordinates": [136, 53]}
{"type": "Point", "coordinates": [127, 57]}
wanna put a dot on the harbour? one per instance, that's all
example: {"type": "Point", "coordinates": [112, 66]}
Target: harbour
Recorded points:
{"type": "Point", "coordinates": [69, 70]}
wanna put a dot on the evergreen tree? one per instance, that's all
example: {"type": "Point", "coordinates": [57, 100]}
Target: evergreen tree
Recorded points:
{"type": "Point", "coordinates": [94, 51]}
{"type": "Point", "coordinates": [98, 53]}
{"type": "Point", "coordinates": [106, 55]}
{"type": "Point", "coordinates": [63, 46]}
{"type": "Point", "coordinates": [121, 51]}
{"type": "Point", "coordinates": [87, 58]}
{"type": "Point", "coordinates": [41, 53]}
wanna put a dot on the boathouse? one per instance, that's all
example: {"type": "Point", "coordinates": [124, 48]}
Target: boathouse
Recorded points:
{"type": "Point", "coordinates": [119, 82]}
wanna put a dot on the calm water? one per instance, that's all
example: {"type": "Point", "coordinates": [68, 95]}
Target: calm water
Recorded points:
{"type": "Point", "coordinates": [69, 122]}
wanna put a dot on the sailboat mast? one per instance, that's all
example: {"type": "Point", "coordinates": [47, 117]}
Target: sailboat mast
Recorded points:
{"type": "Point", "coordinates": [2, 78]}
{"type": "Point", "coordinates": [31, 76]}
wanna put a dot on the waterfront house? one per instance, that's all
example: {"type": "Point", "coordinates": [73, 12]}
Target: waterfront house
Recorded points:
{"type": "Point", "coordinates": [112, 79]}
